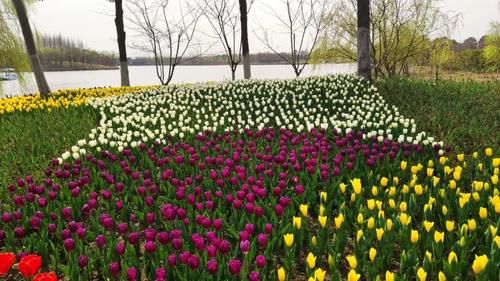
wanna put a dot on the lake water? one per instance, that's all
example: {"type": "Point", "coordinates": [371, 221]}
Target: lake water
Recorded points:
{"type": "Point", "coordinates": [146, 75]}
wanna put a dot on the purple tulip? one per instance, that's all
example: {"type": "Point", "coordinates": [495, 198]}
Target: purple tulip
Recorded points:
{"type": "Point", "coordinates": [260, 261]}
{"type": "Point", "coordinates": [114, 269]}
{"type": "Point", "coordinates": [133, 238]}
{"type": "Point", "coordinates": [172, 260]}
{"type": "Point", "coordinates": [245, 246]}
{"type": "Point", "coordinates": [120, 248]}
{"type": "Point", "coordinates": [212, 266]}
{"type": "Point", "coordinates": [69, 244]}
{"type": "Point", "coordinates": [83, 261]}
{"type": "Point", "coordinates": [150, 247]}
{"type": "Point", "coordinates": [131, 274]}
{"type": "Point", "coordinates": [254, 276]}
{"type": "Point", "coordinates": [100, 241]}
{"type": "Point", "coordinates": [161, 273]}
{"type": "Point", "coordinates": [234, 266]}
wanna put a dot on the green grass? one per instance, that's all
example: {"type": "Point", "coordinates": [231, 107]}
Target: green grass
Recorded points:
{"type": "Point", "coordinates": [465, 115]}
{"type": "Point", "coordinates": [29, 140]}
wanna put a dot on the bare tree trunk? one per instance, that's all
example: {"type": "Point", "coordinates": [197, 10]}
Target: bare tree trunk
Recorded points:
{"type": "Point", "coordinates": [36, 66]}
{"type": "Point", "coordinates": [364, 39]}
{"type": "Point", "coordinates": [244, 39]}
{"type": "Point", "coordinates": [122, 45]}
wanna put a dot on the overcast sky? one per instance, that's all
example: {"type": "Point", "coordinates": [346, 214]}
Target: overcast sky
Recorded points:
{"type": "Point", "coordinates": [91, 21]}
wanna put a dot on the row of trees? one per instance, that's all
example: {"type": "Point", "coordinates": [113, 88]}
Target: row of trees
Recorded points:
{"type": "Point", "coordinates": [58, 51]}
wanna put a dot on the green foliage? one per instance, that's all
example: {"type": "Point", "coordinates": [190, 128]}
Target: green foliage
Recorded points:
{"type": "Point", "coordinates": [29, 140]}
{"type": "Point", "coordinates": [11, 51]}
{"type": "Point", "coordinates": [467, 60]}
{"type": "Point", "coordinates": [464, 114]}
{"type": "Point", "coordinates": [491, 52]}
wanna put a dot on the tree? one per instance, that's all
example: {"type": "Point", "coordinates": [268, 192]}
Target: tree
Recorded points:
{"type": "Point", "coordinates": [364, 39]}
{"type": "Point", "coordinates": [244, 39]}
{"type": "Point", "coordinates": [122, 45]}
{"type": "Point", "coordinates": [491, 51]}
{"type": "Point", "coordinates": [36, 66]}
{"type": "Point", "coordinates": [167, 37]}
{"type": "Point", "coordinates": [304, 22]}
{"type": "Point", "coordinates": [399, 31]}
{"type": "Point", "coordinates": [440, 53]}
{"type": "Point", "coordinates": [224, 21]}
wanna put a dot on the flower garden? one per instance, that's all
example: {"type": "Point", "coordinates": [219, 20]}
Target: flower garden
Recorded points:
{"type": "Point", "coordinates": [307, 179]}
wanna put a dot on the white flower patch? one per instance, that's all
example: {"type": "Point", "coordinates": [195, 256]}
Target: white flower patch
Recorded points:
{"type": "Point", "coordinates": [341, 102]}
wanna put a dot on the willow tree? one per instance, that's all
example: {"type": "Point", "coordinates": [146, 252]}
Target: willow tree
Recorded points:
{"type": "Point", "coordinates": [399, 32]}
{"type": "Point", "coordinates": [491, 51]}
{"type": "Point", "coordinates": [36, 66]}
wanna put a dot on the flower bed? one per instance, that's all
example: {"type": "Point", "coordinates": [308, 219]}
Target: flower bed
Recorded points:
{"type": "Point", "coordinates": [61, 99]}
{"type": "Point", "coordinates": [213, 182]}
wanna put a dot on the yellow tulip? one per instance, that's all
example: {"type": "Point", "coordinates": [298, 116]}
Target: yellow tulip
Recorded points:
{"type": "Point", "coordinates": [493, 230]}
{"type": "Point", "coordinates": [488, 151]}
{"type": "Point", "coordinates": [322, 221]}
{"type": "Point", "coordinates": [371, 223]}
{"type": "Point", "coordinates": [353, 276]}
{"type": "Point", "coordinates": [421, 274]}
{"type": "Point", "coordinates": [320, 274]}
{"type": "Point", "coordinates": [311, 260]}
{"type": "Point", "coordinates": [441, 276]}
{"type": "Point", "coordinates": [360, 218]}
{"type": "Point", "coordinates": [395, 180]}
{"type": "Point", "coordinates": [428, 225]}
{"type": "Point", "coordinates": [430, 163]}
{"type": "Point", "coordinates": [457, 173]}
{"type": "Point", "coordinates": [371, 204]}
{"type": "Point", "coordinates": [450, 225]}
{"type": "Point", "coordinates": [321, 210]}
{"type": "Point", "coordinates": [475, 155]}
{"type": "Point", "coordinates": [311, 278]}
{"type": "Point", "coordinates": [403, 207]}
{"type": "Point", "coordinates": [414, 169]}
{"type": "Point", "coordinates": [389, 224]}
{"type": "Point", "coordinates": [353, 263]}
{"type": "Point", "coordinates": [430, 172]}
{"type": "Point", "coordinates": [404, 219]}
{"type": "Point", "coordinates": [471, 224]}
{"type": "Point", "coordinates": [378, 203]}
{"type": "Point", "coordinates": [389, 276]}
{"type": "Point", "coordinates": [438, 236]}
{"type": "Point", "coordinates": [444, 210]}
{"type": "Point", "coordinates": [483, 213]}
{"type": "Point", "coordinates": [435, 181]}
{"type": "Point", "coordinates": [453, 184]}
{"type": "Point", "coordinates": [480, 264]}
{"type": "Point", "coordinates": [313, 241]}
{"type": "Point", "coordinates": [414, 236]}
{"type": "Point", "coordinates": [380, 233]}
{"type": "Point", "coordinates": [442, 160]}
{"type": "Point", "coordinates": [497, 241]}
{"type": "Point", "coordinates": [405, 189]}
{"type": "Point", "coordinates": [339, 220]}
{"type": "Point", "coordinates": [331, 262]}
{"type": "Point", "coordinates": [452, 257]}
{"type": "Point", "coordinates": [460, 157]}
{"type": "Point", "coordinates": [356, 185]}
{"type": "Point", "coordinates": [495, 162]}
{"type": "Point", "coordinates": [303, 209]}
{"type": "Point", "coordinates": [372, 254]}
{"type": "Point", "coordinates": [359, 234]}
{"type": "Point", "coordinates": [323, 195]}
{"type": "Point", "coordinates": [297, 222]}
{"type": "Point", "coordinates": [374, 190]}
{"type": "Point", "coordinates": [403, 165]}
{"type": "Point", "coordinates": [494, 179]}
{"type": "Point", "coordinates": [342, 187]}
{"type": "Point", "coordinates": [288, 239]}
{"type": "Point", "coordinates": [281, 274]}
{"type": "Point", "coordinates": [384, 181]}
{"type": "Point", "coordinates": [419, 190]}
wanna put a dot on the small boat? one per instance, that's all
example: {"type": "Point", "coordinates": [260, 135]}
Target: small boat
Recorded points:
{"type": "Point", "coordinates": [7, 74]}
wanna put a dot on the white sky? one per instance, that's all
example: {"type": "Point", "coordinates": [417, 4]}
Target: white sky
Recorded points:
{"type": "Point", "coordinates": [91, 21]}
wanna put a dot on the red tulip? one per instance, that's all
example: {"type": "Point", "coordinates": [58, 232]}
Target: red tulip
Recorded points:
{"type": "Point", "coordinates": [6, 262]}
{"type": "Point", "coordinates": [46, 276]}
{"type": "Point", "coordinates": [29, 265]}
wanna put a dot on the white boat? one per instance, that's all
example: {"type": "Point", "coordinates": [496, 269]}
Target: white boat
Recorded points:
{"type": "Point", "coordinates": [7, 74]}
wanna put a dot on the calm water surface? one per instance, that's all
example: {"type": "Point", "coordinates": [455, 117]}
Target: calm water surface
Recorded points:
{"type": "Point", "coordinates": [146, 75]}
